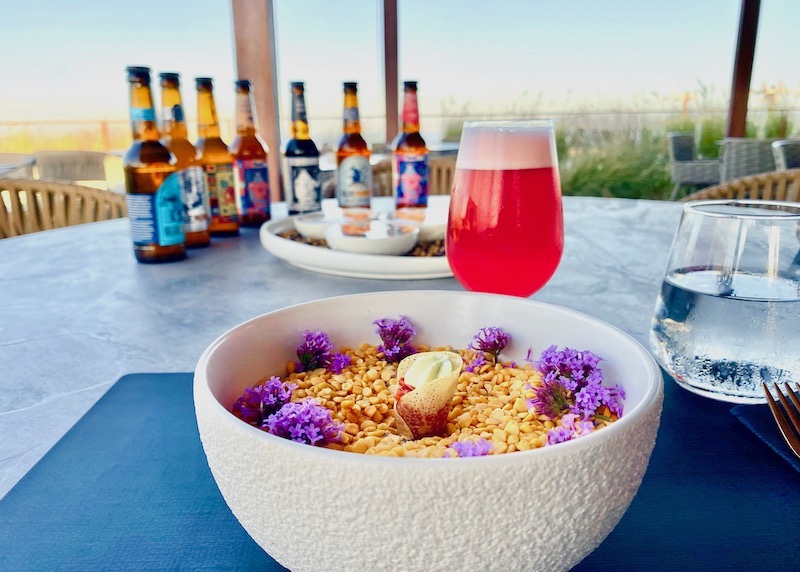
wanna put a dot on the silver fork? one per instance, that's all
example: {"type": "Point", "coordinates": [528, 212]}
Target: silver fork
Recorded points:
{"type": "Point", "coordinates": [790, 428]}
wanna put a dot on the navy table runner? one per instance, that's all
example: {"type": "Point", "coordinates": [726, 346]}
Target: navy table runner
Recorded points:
{"type": "Point", "coordinates": [128, 488]}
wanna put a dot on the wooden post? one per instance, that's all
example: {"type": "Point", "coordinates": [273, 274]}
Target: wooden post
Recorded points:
{"type": "Point", "coordinates": [391, 81]}
{"type": "Point", "coordinates": [743, 68]}
{"type": "Point", "coordinates": [254, 36]}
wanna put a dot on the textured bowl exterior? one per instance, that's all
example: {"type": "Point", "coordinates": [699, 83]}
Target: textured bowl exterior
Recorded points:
{"type": "Point", "coordinates": [317, 509]}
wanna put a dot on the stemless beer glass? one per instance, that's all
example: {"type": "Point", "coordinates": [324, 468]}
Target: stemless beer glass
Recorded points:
{"type": "Point", "coordinates": [728, 315]}
{"type": "Point", "coordinates": [505, 231]}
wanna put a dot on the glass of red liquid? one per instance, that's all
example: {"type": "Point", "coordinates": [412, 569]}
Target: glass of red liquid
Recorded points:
{"type": "Point", "coordinates": [505, 230]}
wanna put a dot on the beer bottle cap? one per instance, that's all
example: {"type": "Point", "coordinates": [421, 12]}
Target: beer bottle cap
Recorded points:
{"type": "Point", "coordinates": [139, 75]}
{"type": "Point", "coordinates": [172, 76]}
{"type": "Point", "coordinates": [243, 83]}
{"type": "Point", "coordinates": [411, 84]}
{"type": "Point", "coordinates": [350, 85]}
{"type": "Point", "coordinates": [203, 82]}
{"type": "Point", "coordinates": [297, 84]}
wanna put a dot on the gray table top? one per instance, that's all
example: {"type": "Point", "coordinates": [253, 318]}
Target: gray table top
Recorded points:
{"type": "Point", "coordinates": [77, 311]}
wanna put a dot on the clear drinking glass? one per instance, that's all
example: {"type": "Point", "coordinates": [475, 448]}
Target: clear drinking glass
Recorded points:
{"type": "Point", "coordinates": [505, 230]}
{"type": "Point", "coordinates": [728, 315]}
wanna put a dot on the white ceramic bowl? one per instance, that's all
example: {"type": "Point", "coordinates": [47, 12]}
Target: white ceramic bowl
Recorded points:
{"type": "Point", "coordinates": [312, 225]}
{"type": "Point", "coordinates": [381, 238]}
{"type": "Point", "coordinates": [316, 509]}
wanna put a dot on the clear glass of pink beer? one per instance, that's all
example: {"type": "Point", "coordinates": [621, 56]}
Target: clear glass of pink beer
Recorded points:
{"type": "Point", "coordinates": [505, 230]}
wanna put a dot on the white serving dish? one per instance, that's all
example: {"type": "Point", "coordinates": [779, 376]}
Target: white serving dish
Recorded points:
{"type": "Point", "coordinates": [337, 263]}
{"type": "Point", "coordinates": [306, 506]}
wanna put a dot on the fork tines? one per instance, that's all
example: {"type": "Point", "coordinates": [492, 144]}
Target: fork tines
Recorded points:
{"type": "Point", "coordinates": [790, 427]}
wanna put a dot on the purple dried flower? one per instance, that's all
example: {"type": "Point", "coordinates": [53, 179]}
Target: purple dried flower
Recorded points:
{"type": "Point", "coordinates": [478, 448]}
{"type": "Point", "coordinates": [578, 374]}
{"type": "Point", "coordinates": [491, 340]}
{"type": "Point", "coordinates": [571, 367]}
{"type": "Point", "coordinates": [305, 422]}
{"type": "Point", "coordinates": [529, 356]}
{"type": "Point", "coordinates": [559, 435]}
{"type": "Point", "coordinates": [315, 350]}
{"type": "Point", "coordinates": [396, 336]}
{"type": "Point", "coordinates": [569, 429]}
{"type": "Point", "coordinates": [512, 364]}
{"type": "Point", "coordinates": [338, 363]}
{"type": "Point", "coordinates": [478, 361]}
{"type": "Point", "coordinates": [258, 403]}
{"type": "Point", "coordinates": [551, 399]}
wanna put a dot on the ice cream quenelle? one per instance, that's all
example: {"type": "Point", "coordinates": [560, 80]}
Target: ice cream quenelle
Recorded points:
{"type": "Point", "coordinates": [426, 384]}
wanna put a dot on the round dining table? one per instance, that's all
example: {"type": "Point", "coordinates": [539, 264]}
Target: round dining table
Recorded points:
{"type": "Point", "coordinates": [77, 312]}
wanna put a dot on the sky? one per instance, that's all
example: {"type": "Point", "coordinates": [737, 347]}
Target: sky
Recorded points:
{"type": "Point", "coordinates": [486, 57]}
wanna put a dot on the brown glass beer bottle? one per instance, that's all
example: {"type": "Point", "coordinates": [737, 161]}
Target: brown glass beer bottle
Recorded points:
{"type": "Point", "coordinates": [302, 187]}
{"type": "Point", "coordinates": [153, 193]}
{"type": "Point", "coordinates": [217, 163]}
{"type": "Point", "coordinates": [194, 193]}
{"type": "Point", "coordinates": [250, 173]}
{"type": "Point", "coordinates": [353, 171]}
{"type": "Point", "coordinates": [410, 161]}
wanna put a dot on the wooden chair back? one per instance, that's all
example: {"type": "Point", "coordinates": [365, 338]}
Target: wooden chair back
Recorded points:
{"type": "Point", "coordinates": [776, 186]}
{"type": "Point", "coordinates": [33, 205]}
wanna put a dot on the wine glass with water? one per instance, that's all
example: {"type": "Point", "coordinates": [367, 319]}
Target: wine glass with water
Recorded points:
{"type": "Point", "coordinates": [505, 231]}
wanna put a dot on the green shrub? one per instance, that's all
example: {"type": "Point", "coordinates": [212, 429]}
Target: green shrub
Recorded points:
{"type": "Point", "coordinates": [778, 126]}
{"type": "Point", "coordinates": [620, 166]}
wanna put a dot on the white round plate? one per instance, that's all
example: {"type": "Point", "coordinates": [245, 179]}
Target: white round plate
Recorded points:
{"type": "Point", "coordinates": [327, 261]}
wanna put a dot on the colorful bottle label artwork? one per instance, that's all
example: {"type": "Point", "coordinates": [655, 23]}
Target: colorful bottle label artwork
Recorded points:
{"type": "Point", "coordinates": [252, 187]}
{"type": "Point", "coordinates": [157, 218]}
{"type": "Point", "coordinates": [411, 180]}
{"type": "Point", "coordinates": [221, 192]}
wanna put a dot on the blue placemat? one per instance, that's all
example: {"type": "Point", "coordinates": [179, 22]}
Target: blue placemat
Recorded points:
{"type": "Point", "coordinates": [128, 488]}
{"type": "Point", "coordinates": [760, 421]}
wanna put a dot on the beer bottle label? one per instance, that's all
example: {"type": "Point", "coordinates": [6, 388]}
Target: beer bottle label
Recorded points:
{"type": "Point", "coordinates": [139, 114]}
{"type": "Point", "coordinates": [351, 114]}
{"type": "Point", "coordinates": [354, 182]}
{"type": "Point", "coordinates": [157, 218]}
{"type": "Point", "coordinates": [244, 112]}
{"type": "Point", "coordinates": [195, 199]}
{"type": "Point", "coordinates": [252, 187]}
{"type": "Point", "coordinates": [299, 109]}
{"type": "Point", "coordinates": [410, 109]}
{"type": "Point", "coordinates": [411, 180]}
{"type": "Point", "coordinates": [172, 113]}
{"type": "Point", "coordinates": [302, 184]}
{"type": "Point", "coordinates": [221, 192]}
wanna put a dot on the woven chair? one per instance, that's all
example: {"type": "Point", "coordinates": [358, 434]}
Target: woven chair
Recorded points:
{"type": "Point", "coordinates": [787, 154]}
{"type": "Point", "coordinates": [777, 186]}
{"type": "Point", "coordinates": [31, 206]}
{"type": "Point", "coordinates": [685, 168]}
{"type": "Point", "coordinates": [743, 157]}
{"type": "Point", "coordinates": [71, 165]}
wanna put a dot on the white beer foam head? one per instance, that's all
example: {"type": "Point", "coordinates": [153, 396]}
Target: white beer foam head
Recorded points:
{"type": "Point", "coordinates": [507, 145]}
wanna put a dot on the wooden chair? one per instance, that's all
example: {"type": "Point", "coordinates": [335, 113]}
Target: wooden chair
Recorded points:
{"type": "Point", "coordinates": [440, 175]}
{"type": "Point", "coordinates": [777, 186]}
{"type": "Point", "coordinates": [33, 205]}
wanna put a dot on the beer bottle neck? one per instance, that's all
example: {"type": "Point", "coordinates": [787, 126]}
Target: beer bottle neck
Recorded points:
{"type": "Point", "coordinates": [245, 124]}
{"type": "Point", "coordinates": [352, 124]}
{"type": "Point", "coordinates": [143, 114]}
{"type": "Point", "coordinates": [173, 120]}
{"type": "Point", "coordinates": [410, 112]}
{"type": "Point", "coordinates": [207, 122]}
{"type": "Point", "coordinates": [299, 118]}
